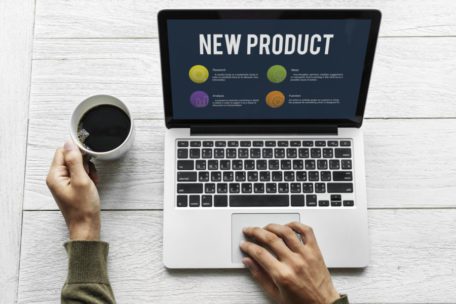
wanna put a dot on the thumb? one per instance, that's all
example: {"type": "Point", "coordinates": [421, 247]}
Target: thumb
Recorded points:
{"type": "Point", "coordinates": [74, 162]}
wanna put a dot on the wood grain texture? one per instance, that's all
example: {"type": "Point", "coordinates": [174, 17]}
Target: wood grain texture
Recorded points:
{"type": "Point", "coordinates": [16, 34]}
{"type": "Point", "coordinates": [413, 266]}
{"type": "Point", "coordinates": [409, 163]}
{"type": "Point", "coordinates": [412, 77]}
{"type": "Point", "coordinates": [137, 18]}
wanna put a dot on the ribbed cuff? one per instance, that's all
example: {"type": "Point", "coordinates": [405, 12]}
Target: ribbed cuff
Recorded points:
{"type": "Point", "coordinates": [87, 262]}
{"type": "Point", "coordinates": [342, 300]}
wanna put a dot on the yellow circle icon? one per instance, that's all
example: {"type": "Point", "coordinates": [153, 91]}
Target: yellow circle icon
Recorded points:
{"type": "Point", "coordinates": [198, 73]}
{"type": "Point", "coordinates": [275, 99]}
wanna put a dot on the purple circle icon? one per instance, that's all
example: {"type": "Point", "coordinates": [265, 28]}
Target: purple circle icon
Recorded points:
{"type": "Point", "coordinates": [199, 99]}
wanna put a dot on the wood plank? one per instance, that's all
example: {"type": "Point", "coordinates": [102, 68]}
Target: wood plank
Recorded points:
{"type": "Point", "coordinates": [413, 265]}
{"type": "Point", "coordinates": [412, 77]}
{"type": "Point", "coordinates": [137, 18]}
{"type": "Point", "coordinates": [16, 34]}
{"type": "Point", "coordinates": [409, 163]}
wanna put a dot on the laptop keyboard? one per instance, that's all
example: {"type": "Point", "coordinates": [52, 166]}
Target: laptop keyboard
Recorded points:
{"type": "Point", "coordinates": [264, 173]}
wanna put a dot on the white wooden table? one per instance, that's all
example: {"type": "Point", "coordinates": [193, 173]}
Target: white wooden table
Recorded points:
{"type": "Point", "coordinates": [55, 53]}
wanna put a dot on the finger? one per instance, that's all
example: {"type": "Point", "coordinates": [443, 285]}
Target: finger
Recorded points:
{"type": "Point", "coordinates": [56, 170]}
{"type": "Point", "coordinates": [58, 159]}
{"type": "Point", "coordinates": [74, 162]}
{"type": "Point", "coordinates": [93, 173]}
{"type": "Point", "coordinates": [306, 232]}
{"type": "Point", "coordinates": [268, 239]}
{"type": "Point", "coordinates": [287, 234]}
{"type": "Point", "coordinates": [262, 278]}
{"type": "Point", "coordinates": [263, 257]}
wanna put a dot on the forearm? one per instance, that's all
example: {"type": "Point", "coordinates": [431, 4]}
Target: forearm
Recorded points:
{"type": "Point", "coordinates": [87, 280]}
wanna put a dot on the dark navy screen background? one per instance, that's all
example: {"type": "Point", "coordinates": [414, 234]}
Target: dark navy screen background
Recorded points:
{"type": "Point", "coordinates": [346, 55]}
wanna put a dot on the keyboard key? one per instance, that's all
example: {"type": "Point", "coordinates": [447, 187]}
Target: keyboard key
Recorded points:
{"type": "Point", "coordinates": [220, 200]}
{"type": "Point", "coordinates": [233, 143]}
{"type": "Point", "coordinates": [307, 143]}
{"type": "Point", "coordinates": [301, 176]}
{"type": "Point", "coordinates": [271, 187]}
{"type": "Point", "coordinates": [297, 200]}
{"type": "Point", "coordinates": [295, 188]}
{"type": "Point", "coordinates": [206, 153]}
{"type": "Point", "coordinates": [283, 187]}
{"type": "Point", "coordinates": [311, 200]}
{"type": "Point", "coordinates": [342, 176]}
{"type": "Point", "coordinates": [258, 144]}
{"type": "Point", "coordinates": [194, 201]}
{"type": "Point", "coordinates": [206, 201]}
{"type": "Point", "coordinates": [346, 164]}
{"type": "Point", "coordinates": [235, 188]}
{"type": "Point", "coordinates": [315, 152]}
{"type": "Point", "coordinates": [261, 164]}
{"type": "Point", "coordinates": [279, 152]}
{"type": "Point", "coordinates": [320, 143]}
{"type": "Point", "coordinates": [209, 188]}
{"type": "Point", "coordinates": [243, 153]}
{"type": "Point", "coordinates": [246, 188]}
{"type": "Point", "coordinates": [307, 188]}
{"type": "Point", "coordinates": [200, 165]}
{"type": "Point", "coordinates": [182, 143]}
{"type": "Point", "coordinates": [298, 164]}
{"type": "Point", "coordinates": [182, 153]}
{"type": "Point", "coordinates": [289, 176]}
{"type": "Point", "coordinates": [336, 203]}
{"type": "Point", "coordinates": [267, 153]}
{"type": "Point", "coordinates": [295, 143]}
{"type": "Point", "coordinates": [185, 165]}
{"type": "Point", "coordinates": [231, 153]}
{"type": "Point", "coordinates": [320, 188]}
{"type": "Point", "coordinates": [237, 164]}
{"type": "Point", "coordinates": [255, 153]}
{"type": "Point", "coordinates": [277, 176]}
{"type": "Point", "coordinates": [342, 152]}
{"type": "Point", "coordinates": [323, 203]}
{"type": "Point", "coordinates": [349, 203]}
{"type": "Point", "coordinates": [327, 153]}
{"type": "Point", "coordinates": [259, 200]}
{"type": "Point", "coordinates": [222, 188]}
{"type": "Point", "coordinates": [220, 143]}
{"type": "Point", "coordinates": [208, 143]}
{"type": "Point", "coordinates": [292, 153]}
{"type": "Point", "coordinates": [249, 164]}
{"type": "Point", "coordinates": [186, 176]}
{"type": "Point", "coordinates": [310, 164]}
{"type": "Point", "coordinates": [258, 188]}
{"type": "Point", "coordinates": [240, 176]}
{"type": "Point", "coordinates": [273, 164]}
{"type": "Point", "coordinates": [252, 176]}
{"type": "Point", "coordinates": [325, 176]}
{"type": "Point", "coordinates": [285, 164]}
{"type": "Point", "coordinates": [340, 187]}
{"type": "Point", "coordinates": [203, 176]}
{"type": "Point", "coordinates": [181, 201]}
{"type": "Point", "coordinates": [228, 176]}
{"type": "Point", "coordinates": [195, 144]}
{"type": "Point", "coordinates": [282, 143]}
{"type": "Point", "coordinates": [304, 153]}
{"type": "Point", "coordinates": [332, 143]}
{"type": "Point", "coordinates": [314, 176]}
{"type": "Point", "coordinates": [189, 188]}
{"type": "Point", "coordinates": [212, 164]}
{"type": "Point", "coordinates": [245, 143]}
{"type": "Point", "coordinates": [270, 143]}
{"type": "Point", "coordinates": [334, 164]}
{"type": "Point", "coordinates": [219, 153]}
{"type": "Point", "coordinates": [322, 164]}
{"type": "Point", "coordinates": [194, 153]}
{"type": "Point", "coordinates": [225, 164]}
{"type": "Point", "coordinates": [265, 176]}
{"type": "Point", "coordinates": [216, 176]}
{"type": "Point", "coordinates": [345, 143]}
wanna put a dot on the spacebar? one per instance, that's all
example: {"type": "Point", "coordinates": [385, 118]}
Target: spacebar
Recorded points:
{"type": "Point", "coordinates": [259, 200]}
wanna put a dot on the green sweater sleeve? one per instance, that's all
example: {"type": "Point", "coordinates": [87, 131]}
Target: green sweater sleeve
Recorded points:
{"type": "Point", "coordinates": [342, 300]}
{"type": "Point", "coordinates": [87, 280]}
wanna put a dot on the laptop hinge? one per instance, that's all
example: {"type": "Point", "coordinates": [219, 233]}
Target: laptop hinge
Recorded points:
{"type": "Point", "coordinates": [263, 129]}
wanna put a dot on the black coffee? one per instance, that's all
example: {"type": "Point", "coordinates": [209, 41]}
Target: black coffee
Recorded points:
{"type": "Point", "coordinates": [104, 128]}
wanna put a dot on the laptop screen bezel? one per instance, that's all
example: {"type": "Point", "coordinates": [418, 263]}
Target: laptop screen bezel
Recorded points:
{"type": "Point", "coordinates": [163, 16]}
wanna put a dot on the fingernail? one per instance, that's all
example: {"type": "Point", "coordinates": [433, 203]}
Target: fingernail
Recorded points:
{"type": "Point", "coordinates": [242, 244]}
{"type": "Point", "coordinates": [69, 145]}
{"type": "Point", "coordinates": [245, 229]}
{"type": "Point", "coordinates": [247, 262]}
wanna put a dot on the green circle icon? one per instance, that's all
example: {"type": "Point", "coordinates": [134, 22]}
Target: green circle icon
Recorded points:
{"type": "Point", "coordinates": [198, 73]}
{"type": "Point", "coordinates": [276, 73]}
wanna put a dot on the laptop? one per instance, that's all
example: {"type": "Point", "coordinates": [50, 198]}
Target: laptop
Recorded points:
{"type": "Point", "coordinates": [263, 110]}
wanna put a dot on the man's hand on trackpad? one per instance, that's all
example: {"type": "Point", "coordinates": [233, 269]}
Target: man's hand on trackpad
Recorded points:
{"type": "Point", "coordinates": [289, 269]}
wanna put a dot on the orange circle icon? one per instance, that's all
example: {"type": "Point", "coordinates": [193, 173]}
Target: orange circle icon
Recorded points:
{"type": "Point", "coordinates": [275, 99]}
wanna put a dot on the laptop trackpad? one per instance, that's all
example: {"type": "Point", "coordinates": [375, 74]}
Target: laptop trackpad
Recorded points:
{"type": "Point", "coordinates": [241, 220]}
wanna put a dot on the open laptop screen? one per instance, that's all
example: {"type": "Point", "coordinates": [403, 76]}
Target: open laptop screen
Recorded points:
{"type": "Point", "coordinates": [266, 69]}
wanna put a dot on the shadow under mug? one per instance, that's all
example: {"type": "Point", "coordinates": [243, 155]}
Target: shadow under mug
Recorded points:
{"type": "Point", "coordinates": [93, 102]}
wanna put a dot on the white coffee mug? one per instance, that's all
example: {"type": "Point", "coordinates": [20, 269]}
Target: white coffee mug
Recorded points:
{"type": "Point", "coordinates": [90, 103]}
